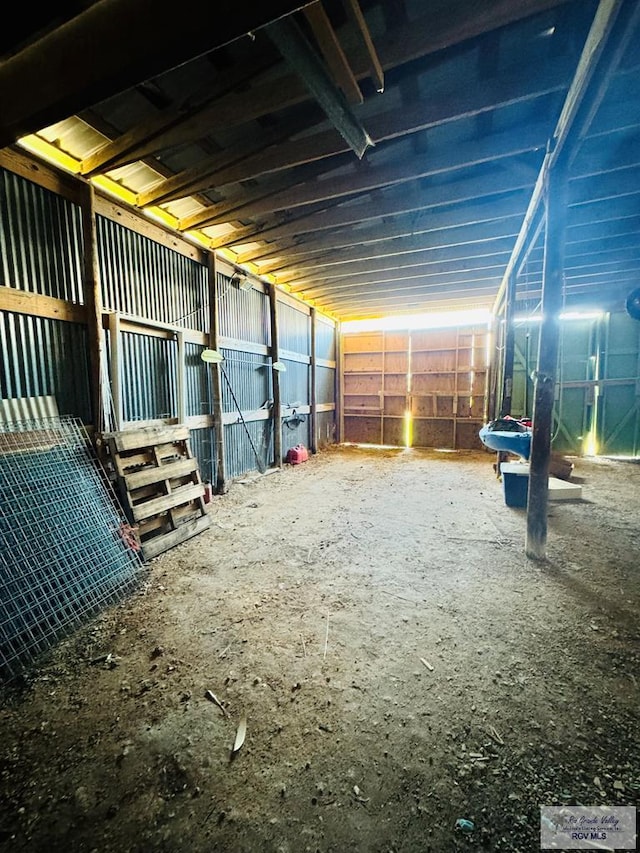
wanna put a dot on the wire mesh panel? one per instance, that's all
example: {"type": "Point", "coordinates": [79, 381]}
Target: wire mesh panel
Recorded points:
{"type": "Point", "coordinates": [66, 550]}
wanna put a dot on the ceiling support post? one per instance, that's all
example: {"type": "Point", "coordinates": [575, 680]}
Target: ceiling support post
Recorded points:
{"type": "Point", "coordinates": [545, 376]}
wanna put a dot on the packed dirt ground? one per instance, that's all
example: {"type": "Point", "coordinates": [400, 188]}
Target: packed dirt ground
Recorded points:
{"type": "Point", "coordinates": [400, 663]}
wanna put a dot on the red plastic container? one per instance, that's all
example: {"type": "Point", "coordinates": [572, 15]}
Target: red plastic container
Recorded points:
{"type": "Point", "coordinates": [297, 454]}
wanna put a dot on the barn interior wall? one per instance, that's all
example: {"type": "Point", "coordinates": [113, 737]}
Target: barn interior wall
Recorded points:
{"type": "Point", "coordinates": [155, 313]}
{"type": "Point", "coordinates": [421, 388]}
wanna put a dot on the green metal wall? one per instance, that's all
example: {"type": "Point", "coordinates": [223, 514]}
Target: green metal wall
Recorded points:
{"type": "Point", "coordinates": [597, 407]}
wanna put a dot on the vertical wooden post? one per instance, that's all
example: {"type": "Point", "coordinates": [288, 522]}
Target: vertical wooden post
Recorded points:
{"type": "Point", "coordinates": [339, 385]}
{"type": "Point", "coordinates": [93, 301]}
{"type": "Point", "coordinates": [545, 380]}
{"type": "Point", "coordinates": [489, 408]}
{"type": "Point", "coordinates": [509, 346]}
{"type": "Point", "coordinates": [312, 380]}
{"type": "Point", "coordinates": [115, 339]}
{"type": "Point", "coordinates": [216, 375]}
{"type": "Point", "coordinates": [275, 377]}
{"type": "Point", "coordinates": [181, 382]}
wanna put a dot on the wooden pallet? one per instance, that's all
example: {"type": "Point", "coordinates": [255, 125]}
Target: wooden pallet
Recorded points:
{"type": "Point", "coordinates": [159, 482]}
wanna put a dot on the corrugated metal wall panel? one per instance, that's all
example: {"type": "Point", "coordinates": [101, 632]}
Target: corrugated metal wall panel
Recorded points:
{"type": "Point", "coordinates": [325, 341]}
{"type": "Point", "coordinates": [294, 383]}
{"type": "Point", "coordinates": [300, 434]}
{"type": "Point", "coordinates": [244, 314]}
{"type": "Point", "coordinates": [294, 329]}
{"type": "Point", "coordinates": [40, 240]}
{"type": "Point", "coordinates": [142, 277]}
{"type": "Point", "coordinates": [203, 446]}
{"type": "Point", "coordinates": [28, 409]}
{"type": "Point", "coordinates": [249, 381]}
{"type": "Point", "coordinates": [199, 399]}
{"type": "Point", "coordinates": [326, 428]}
{"type": "Point", "coordinates": [42, 357]}
{"type": "Point", "coordinates": [239, 454]}
{"type": "Point", "coordinates": [149, 365]}
{"type": "Point", "coordinates": [325, 385]}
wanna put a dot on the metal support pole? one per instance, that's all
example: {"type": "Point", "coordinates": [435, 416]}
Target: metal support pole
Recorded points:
{"type": "Point", "coordinates": [545, 378]}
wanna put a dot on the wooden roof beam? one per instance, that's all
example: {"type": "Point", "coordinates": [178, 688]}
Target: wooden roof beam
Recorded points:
{"type": "Point", "coordinates": [459, 103]}
{"type": "Point", "coordinates": [113, 51]}
{"type": "Point", "coordinates": [453, 25]}
{"type": "Point", "coordinates": [402, 226]}
{"type": "Point", "coordinates": [467, 154]}
{"type": "Point", "coordinates": [355, 13]}
{"type": "Point", "coordinates": [412, 200]}
{"type": "Point", "coordinates": [333, 53]}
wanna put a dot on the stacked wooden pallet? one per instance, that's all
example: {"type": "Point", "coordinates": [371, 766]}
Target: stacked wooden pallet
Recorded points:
{"type": "Point", "coordinates": [159, 482]}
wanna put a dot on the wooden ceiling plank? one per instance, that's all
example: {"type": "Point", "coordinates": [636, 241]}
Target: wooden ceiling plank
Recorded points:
{"type": "Point", "coordinates": [332, 52]}
{"type": "Point", "coordinates": [109, 42]}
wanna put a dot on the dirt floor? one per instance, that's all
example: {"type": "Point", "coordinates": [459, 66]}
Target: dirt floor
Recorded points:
{"type": "Point", "coordinates": [400, 662]}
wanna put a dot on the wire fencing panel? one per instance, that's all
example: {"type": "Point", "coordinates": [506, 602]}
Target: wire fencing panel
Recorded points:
{"type": "Point", "coordinates": [66, 550]}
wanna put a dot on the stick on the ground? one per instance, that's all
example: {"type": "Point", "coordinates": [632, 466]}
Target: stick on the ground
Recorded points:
{"type": "Point", "coordinates": [326, 639]}
{"type": "Point", "coordinates": [304, 648]}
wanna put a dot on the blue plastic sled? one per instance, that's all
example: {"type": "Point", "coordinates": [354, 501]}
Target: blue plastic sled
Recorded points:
{"type": "Point", "coordinates": [518, 443]}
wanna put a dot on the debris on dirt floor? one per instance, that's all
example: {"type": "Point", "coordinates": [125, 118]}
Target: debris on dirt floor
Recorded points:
{"type": "Point", "coordinates": [213, 698]}
{"type": "Point", "coordinates": [240, 735]}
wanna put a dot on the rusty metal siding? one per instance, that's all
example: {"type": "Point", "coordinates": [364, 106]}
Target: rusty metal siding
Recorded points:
{"type": "Point", "coordinates": [294, 329]}
{"type": "Point", "coordinates": [150, 365]}
{"type": "Point", "coordinates": [244, 314]}
{"type": "Point", "coordinates": [41, 357]}
{"type": "Point", "coordinates": [40, 240]}
{"type": "Point", "coordinates": [141, 277]}
{"type": "Point", "coordinates": [325, 341]}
